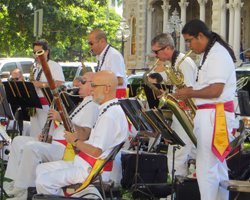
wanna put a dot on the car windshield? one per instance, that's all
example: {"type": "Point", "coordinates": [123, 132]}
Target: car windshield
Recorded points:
{"type": "Point", "coordinates": [69, 73]}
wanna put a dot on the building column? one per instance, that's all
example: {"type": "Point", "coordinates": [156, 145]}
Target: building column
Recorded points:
{"type": "Point", "coordinates": [223, 9]}
{"type": "Point", "coordinates": [183, 5]}
{"type": "Point", "coordinates": [165, 8]}
{"type": "Point", "coordinates": [231, 22]}
{"type": "Point", "coordinates": [202, 4]}
{"type": "Point", "coordinates": [237, 27]}
{"type": "Point", "coordinates": [149, 28]}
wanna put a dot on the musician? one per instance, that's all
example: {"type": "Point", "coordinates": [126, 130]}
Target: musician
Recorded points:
{"type": "Point", "coordinates": [108, 58]}
{"type": "Point", "coordinates": [20, 112]}
{"type": "Point", "coordinates": [17, 75]}
{"type": "Point", "coordinates": [40, 81]}
{"type": "Point", "coordinates": [155, 78]}
{"type": "Point", "coordinates": [214, 93]}
{"type": "Point", "coordinates": [163, 48]}
{"type": "Point", "coordinates": [110, 130]}
{"type": "Point", "coordinates": [26, 152]}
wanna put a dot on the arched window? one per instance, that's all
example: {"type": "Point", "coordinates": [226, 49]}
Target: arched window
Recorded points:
{"type": "Point", "coordinates": [133, 36]}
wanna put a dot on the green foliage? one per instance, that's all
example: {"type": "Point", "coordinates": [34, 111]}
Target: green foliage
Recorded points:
{"type": "Point", "coordinates": [66, 24]}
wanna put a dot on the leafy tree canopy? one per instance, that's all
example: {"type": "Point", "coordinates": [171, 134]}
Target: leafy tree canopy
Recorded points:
{"type": "Point", "coordinates": [66, 24]}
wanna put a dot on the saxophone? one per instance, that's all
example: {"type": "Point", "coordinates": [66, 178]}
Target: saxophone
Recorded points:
{"type": "Point", "coordinates": [185, 117]}
{"type": "Point", "coordinates": [176, 77]}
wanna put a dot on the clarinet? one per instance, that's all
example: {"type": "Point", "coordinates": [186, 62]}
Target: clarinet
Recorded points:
{"type": "Point", "coordinates": [60, 107]}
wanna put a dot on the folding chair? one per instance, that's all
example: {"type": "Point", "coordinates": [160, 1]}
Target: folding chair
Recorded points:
{"type": "Point", "coordinates": [94, 175]}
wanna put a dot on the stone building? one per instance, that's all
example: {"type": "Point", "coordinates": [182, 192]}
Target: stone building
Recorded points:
{"type": "Point", "coordinates": [147, 18]}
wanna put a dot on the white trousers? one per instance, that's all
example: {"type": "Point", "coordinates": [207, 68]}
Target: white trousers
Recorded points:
{"type": "Point", "coordinates": [52, 176]}
{"type": "Point", "coordinates": [210, 171]}
{"type": "Point", "coordinates": [25, 154]}
{"type": "Point", "coordinates": [38, 120]}
{"type": "Point", "coordinates": [183, 154]}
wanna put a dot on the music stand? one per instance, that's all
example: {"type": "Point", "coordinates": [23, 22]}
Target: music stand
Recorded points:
{"type": "Point", "coordinates": [67, 101]}
{"type": "Point", "coordinates": [5, 110]}
{"type": "Point", "coordinates": [158, 126]}
{"type": "Point", "coordinates": [21, 94]}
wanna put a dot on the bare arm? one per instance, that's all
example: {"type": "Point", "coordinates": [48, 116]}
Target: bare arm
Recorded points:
{"type": "Point", "coordinates": [84, 147]}
{"type": "Point", "coordinates": [82, 132]}
{"type": "Point", "coordinates": [211, 91]}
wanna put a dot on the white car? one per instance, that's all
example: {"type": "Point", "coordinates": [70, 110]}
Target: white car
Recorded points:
{"type": "Point", "coordinates": [74, 69]}
{"type": "Point", "coordinates": [8, 64]}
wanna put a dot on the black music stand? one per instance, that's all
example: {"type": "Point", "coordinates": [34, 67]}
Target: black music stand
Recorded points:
{"type": "Point", "coordinates": [152, 124]}
{"type": "Point", "coordinates": [5, 109]}
{"type": "Point", "coordinates": [67, 101]}
{"type": "Point", "coordinates": [21, 94]}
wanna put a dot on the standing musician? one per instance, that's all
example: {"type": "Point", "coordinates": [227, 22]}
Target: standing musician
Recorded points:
{"type": "Point", "coordinates": [163, 48]}
{"type": "Point", "coordinates": [110, 130]}
{"type": "Point", "coordinates": [38, 120]}
{"type": "Point", "coordinates": [108, 58]}
{"type": "Point", "coordinates": [213, 91]}
{"type": "Point", "coordinates": [26, 152]}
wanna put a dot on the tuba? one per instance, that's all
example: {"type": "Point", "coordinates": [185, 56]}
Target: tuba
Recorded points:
{"type": "Point", "coordinates": [184, 116]}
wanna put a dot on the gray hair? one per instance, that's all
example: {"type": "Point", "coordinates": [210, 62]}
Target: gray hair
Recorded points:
{"type": "Point", "coordinates": [163, 40]}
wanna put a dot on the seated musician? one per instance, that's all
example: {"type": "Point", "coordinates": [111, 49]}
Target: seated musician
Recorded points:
{"type": "Point", "coordinates": [110, 130]}
{"type": "Point", "coordinates": [16, 75]}
{"type": "Point", "coordinates": [26, 152]}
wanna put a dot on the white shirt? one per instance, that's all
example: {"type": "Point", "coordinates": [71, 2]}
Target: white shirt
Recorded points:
{"type": "Point", "coordinates": [111, 128]}
{"type": "Point", "coordinates": [113, 61]}
{"type": "Point", "coordinates": [56, 72]}
{"type": "Point", "coordinates": [85, 117]}
{"type": "Point", "coordinates": [217, 68]}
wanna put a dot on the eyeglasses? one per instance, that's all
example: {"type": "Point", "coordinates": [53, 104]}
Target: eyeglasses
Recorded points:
{"type": "Point", "coordinates": [93, 85]}
{"type": "Point", "coordinates": [189, 40]}
{"type": "Point", "coordinates": [91, 43]}
{"type": "Point", "coordinates": [157, 51]}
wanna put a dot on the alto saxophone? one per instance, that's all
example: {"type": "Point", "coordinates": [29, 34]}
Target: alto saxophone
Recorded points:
{"type": "Point", "coordinates": [185, 117]}
{"type": "Point", "coordinates": [176, 77]}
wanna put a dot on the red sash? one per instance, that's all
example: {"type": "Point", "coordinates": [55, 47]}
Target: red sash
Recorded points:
{"type": "Point", "coordinates": [108, 167]}
{"type": "Point", "coordinates": [220, 144]}
{"type": "Point", "coordinates": [43, 101]}
{"type": "Point", "coordinates": [120, 93]}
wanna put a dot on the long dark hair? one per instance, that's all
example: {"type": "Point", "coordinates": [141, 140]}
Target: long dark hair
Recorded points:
{"type": "Point", "coordinates": [196, 26]}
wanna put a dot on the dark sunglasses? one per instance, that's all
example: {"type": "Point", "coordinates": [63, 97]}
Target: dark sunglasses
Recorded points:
{"type": "Point", "coordinates": [83, 81]}
{"type": "Point", "coordinates": [157, 51]}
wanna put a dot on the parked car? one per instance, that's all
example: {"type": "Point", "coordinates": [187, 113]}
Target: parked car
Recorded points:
{"type": "Point", "coordinates": [74, 69]}
{"type": "Point", "coordinates": [8, 64]}
{"type": "Point", "coordinates": [136, 78]}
